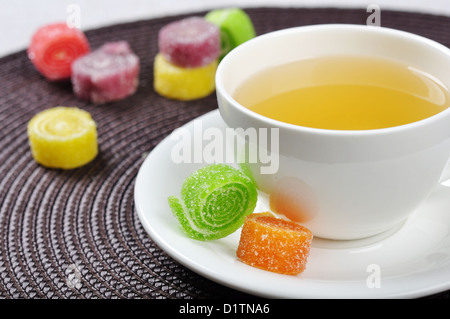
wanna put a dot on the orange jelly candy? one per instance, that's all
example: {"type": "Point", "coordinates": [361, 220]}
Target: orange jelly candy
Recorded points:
{"type": "Point", "coordinates": [274, 244]}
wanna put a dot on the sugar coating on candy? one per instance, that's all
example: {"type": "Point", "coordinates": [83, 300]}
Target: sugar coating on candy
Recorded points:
{"type": "Point", "coordinates": [214, 202]}
{"type": "Point", "coordinates": [107, 74]}
{"type": "Point", "coordinates": [274, 244]}
{"type": "Point", "coordinates": [63, 137]}
{"type": "Point", "coordinates": [53, 49]}
{"type": "Point", "coordinates": [235, 25]}
{"type": "Point", "coordinates": [190, 43]}
{"type": "Point", "coordinates": [184, 84]}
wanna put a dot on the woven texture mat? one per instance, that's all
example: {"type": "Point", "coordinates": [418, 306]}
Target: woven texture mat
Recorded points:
{"type": "Point", "coordinates": [75, 234]}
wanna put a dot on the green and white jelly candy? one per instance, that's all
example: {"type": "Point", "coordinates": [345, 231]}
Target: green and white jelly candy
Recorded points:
{"type": "Point", "coordinates": [235, 25]}
{"type": "Point", "coordinates": [214, 202]}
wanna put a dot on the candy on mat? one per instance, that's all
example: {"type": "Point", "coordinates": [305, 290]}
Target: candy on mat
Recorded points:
{"type": "Point", "coordinates": [274, 244]}
{"type": "Point", "coordinates": [235, 25]}
{"type": "Point", "coordinates": [190, 42]}
{"type": "Point", "coordinates": [63, 137]}
{"type": "Point", "coordinates": [107, 74]}
{"type": "Point", "coordinates": [184, 84]}
{"type": "Point", "coordinates": [53, 49]}
{"type": "Point", "coordinates": [214, 202]}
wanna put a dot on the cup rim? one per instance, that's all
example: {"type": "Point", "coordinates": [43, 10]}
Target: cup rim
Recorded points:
{"type": "Point", "coordinates": [269, 122]}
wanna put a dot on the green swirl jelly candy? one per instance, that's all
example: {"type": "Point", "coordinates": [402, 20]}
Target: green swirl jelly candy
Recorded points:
{"type": "Point", "coordinates": [214, 202]}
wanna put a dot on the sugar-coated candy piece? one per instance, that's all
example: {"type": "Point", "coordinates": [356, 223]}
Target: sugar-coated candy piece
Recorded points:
{"type": "Point", "coordinates": [184, 84]}
{"type": "Point", "coordinates": [53, 49]}
{"type": "Point", "coordinates": [190, 42]}
{"type": "Point", "coordinates": [214, 202]}
{"type": "Point", "coordinates": [107, 74]}
{"type": "Point", "coordinates": [274, 244]}
{"type": "Point", "coordinates": [63, 137]}
{"type": "Point", "coordinates": [235, 25]}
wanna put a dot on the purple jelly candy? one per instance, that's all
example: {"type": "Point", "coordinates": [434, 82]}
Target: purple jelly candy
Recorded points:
{"type": "Point", "coordinates": [107, 74]}
{"type": "Point", "coordinates": [189, 43]}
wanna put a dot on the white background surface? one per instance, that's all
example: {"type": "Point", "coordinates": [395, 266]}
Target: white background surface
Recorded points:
{"type": "Point", "coordinates": [20, 18]}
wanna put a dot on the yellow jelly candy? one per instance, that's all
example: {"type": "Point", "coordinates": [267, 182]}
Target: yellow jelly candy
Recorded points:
{"type": "Point", "coordinates": [63, 137]}
{"type": "Point", "coordinates": [184, 84]}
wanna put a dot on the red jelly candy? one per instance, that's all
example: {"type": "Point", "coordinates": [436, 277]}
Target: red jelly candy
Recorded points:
{"type": "Point", "coordinates": [189, 43]}
{"type": "Point", "coordinates": [108, 74]}
{"type": "Point", "coordinates": [53, 49]}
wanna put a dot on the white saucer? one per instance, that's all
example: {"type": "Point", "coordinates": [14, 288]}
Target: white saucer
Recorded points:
{"type": "Point", "coordinates": [410, 261]}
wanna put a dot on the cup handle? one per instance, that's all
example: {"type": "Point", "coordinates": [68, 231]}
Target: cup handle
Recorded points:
{"type": "Point", "coordinates": [445, 178]}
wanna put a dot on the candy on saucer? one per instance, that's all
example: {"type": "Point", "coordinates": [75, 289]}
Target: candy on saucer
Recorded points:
{"type": "Point", "coordinates": [214, 202]}
{"type": "Point", "coordinates": [274, 244]}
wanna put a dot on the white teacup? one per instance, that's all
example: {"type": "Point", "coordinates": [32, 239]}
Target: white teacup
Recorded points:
{"type": "Point", "coordinates": [344, 184]}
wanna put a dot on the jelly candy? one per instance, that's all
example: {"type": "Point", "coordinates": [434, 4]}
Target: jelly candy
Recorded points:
{"type": "Point", "coordinates": [274, 244]}
{"type": "Point", "coordinates": [214, 202]}
{"type": "Point", "coordinates": [53, 49]}
{"type": "Point", "coordinates": [107, 74]}
{"type": "Point", "coordinates": [235, 25]}
{"type": "Point", "coordinates": [189, 43]}
{"type": "Point", "coordinates": [184, 84]}
{"type": "Point", "coordinates": [63, 137]}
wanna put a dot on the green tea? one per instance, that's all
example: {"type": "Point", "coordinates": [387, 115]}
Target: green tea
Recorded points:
{"type": "Point", "coordinates": [344, 93]}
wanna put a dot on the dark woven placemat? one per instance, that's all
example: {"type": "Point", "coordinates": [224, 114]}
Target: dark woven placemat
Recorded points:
{"type": "Point", "coordinates": [75, 234]}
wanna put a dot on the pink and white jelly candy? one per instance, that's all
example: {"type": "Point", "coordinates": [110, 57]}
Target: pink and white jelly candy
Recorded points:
{"type": "Point", "coordinates": [107, 74]}
{"type": "Point", "coordinates": [189, 43]}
